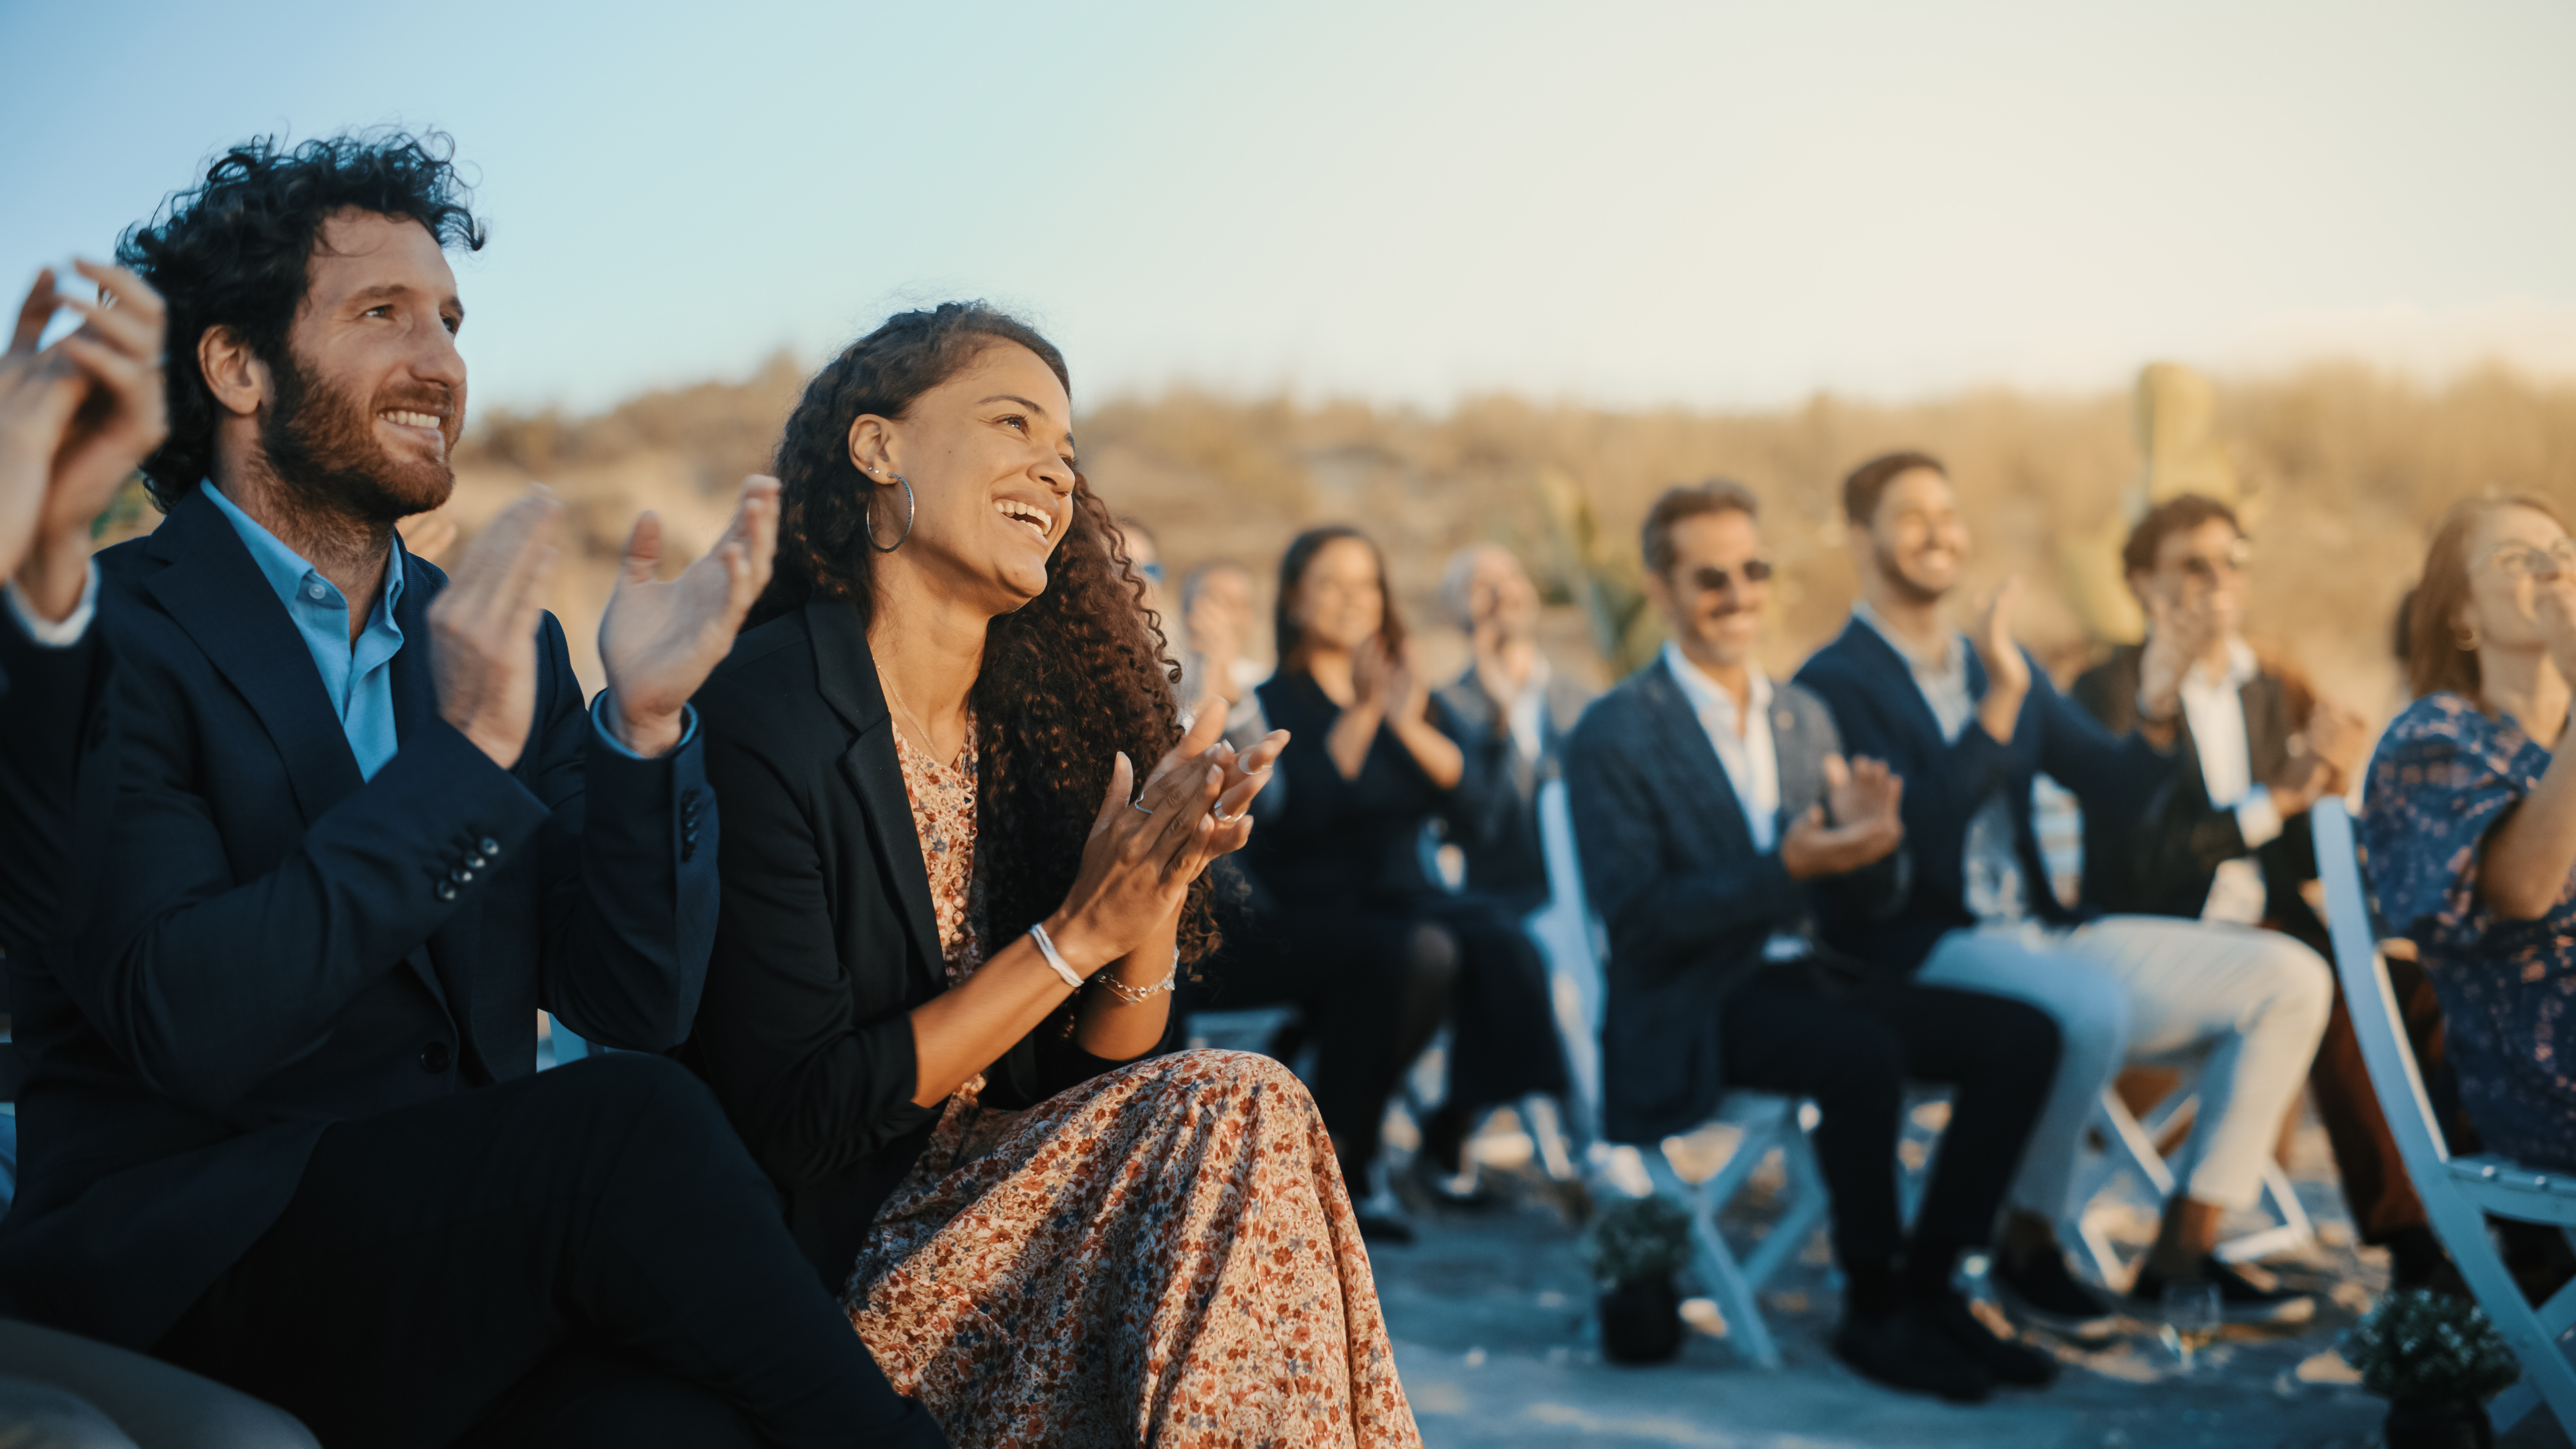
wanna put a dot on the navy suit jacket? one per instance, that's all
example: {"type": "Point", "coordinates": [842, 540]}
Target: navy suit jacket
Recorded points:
{"type": "Point", "coordinates": [277, 945]}
{"type": "Point", "coordinates": [55, 785]}
{"type": "Point", "coordinates": [1670, 867]}
{"type": "Point", "coordinates": [1882, 713]}
{"type": "Point", "coordinates": [1493, 809]}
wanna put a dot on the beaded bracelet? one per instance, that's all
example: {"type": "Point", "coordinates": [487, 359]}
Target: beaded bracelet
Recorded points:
{"type": "Point", "coordinates": [1139, 995]}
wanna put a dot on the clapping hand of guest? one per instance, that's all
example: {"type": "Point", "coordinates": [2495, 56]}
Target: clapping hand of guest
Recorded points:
{"type": "Point", "coordinates": [2176, 635]}
{"type": "Point", "coordinates": [2007, 669]}
{"type": "Point", "coordinates": [659, 641]}
{"type": "Point", "coordinates": [483, 627]}
{"type": "Point", "coordinates": [1216, 636]}
{"type": "Point", "coordinates": [76, 420]}
{"type": "Point", "coordinates": [1143, 852]}
{"type": "Point", "coordinates": [2326, 757]}
{"type": "Point", "coordinates": [1859, 824]}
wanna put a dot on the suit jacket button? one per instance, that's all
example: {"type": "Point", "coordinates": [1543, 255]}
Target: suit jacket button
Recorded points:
{"type": "Point", "coordinates": [460, 875]}
{"type": "Point", "coordinates": [434, 1057]}
{"type": "Point", "coordinates": [475, 862]}
{"type": "Point", "coordinates": [446, 890]}
{"type": "Point", "coordinates": [488, 846]}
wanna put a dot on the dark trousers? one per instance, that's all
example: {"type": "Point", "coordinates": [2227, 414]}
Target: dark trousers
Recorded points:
{"type": "Point", "coordinates": [1502, 1027]}
{"type": "Point", "coordinates": [2375, 1185]}
{"type": "Point", "coordinates": [1372, 985]}
{"type": "Point", "coordinates": [586, 1256]}
{"type": "Point", "coordinates": [1852, 1047]}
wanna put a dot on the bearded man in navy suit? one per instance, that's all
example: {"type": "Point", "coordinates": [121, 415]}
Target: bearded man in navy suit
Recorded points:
{"type": "Point", "coordinates": [282, 1123]}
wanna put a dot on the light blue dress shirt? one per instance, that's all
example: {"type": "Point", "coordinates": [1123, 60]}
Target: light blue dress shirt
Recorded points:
{"type": "Point", "coordinates": [359, 676]}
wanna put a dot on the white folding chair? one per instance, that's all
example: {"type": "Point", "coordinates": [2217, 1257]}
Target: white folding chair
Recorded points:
{"type": "Point", "coordinates": [2129, 1147]}
{"type": "Point", "coordinates": [2459, 1193]}
{"type": "Point", "coordinates": [1572, 939]}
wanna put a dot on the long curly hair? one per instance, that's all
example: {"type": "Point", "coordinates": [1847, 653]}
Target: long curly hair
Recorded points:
{"type": "Point", "coordinates": [1076, 674]}
{"type": "Point", "coordinates": [232, 253]}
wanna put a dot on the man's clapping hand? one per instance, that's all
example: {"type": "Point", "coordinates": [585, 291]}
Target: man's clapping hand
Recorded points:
{"type": "Point", "coordinates": [483, 627]}
{"type": "Point", "coordinates": [76, 420]}
{"type": "Point", "coordinates": [659, 641]}
{"type": "Point", "coordinates": [1859, 824]}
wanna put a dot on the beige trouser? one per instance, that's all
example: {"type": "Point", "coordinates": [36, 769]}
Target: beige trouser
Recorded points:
{"type": "Point", "coordinates": [2246, 1006]}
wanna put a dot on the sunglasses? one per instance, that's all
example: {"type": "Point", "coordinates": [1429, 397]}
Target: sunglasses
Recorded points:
{"type": "Point", "coordinates": [1755, 571]}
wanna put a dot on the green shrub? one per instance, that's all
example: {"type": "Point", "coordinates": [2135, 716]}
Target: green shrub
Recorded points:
{"type": "Point", "coordinates": [2419, 1347]}
{"type": "Point", "coordinates": [1638, 1238]}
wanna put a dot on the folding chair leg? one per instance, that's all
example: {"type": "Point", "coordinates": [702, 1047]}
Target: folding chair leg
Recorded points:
{"type": "Point", "coordinates": [2292, 1232]}
{"type": "Point", "coordinates": [2547, 1376]}
{"type": "Point", "coordinates": [1715, 1263]}
{"type": "Point", "coordinates": [1807, 1209]}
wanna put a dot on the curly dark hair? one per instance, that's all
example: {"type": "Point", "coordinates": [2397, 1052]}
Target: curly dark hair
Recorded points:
{"type": "Point", "coordinates": [232, 253]}
{"type": "Point", "coordinates": [1081, 671]}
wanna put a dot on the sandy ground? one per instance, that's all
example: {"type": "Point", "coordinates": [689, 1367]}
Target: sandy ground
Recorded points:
{"type": "Point", "coordinates": [1491, 1315]}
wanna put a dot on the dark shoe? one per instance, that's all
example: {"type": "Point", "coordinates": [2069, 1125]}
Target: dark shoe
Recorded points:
{"type": "Point", "coordinates": [2010, 1361]}
{"type": "Point", "coordinates": [2241, 1297]}
{"type": "Point", "coordinates": [2416, 1260]}
{"type": "Point", "coordinates": [1464, 1192]}
{"type": "Point", "coordinates": [2042, 1291]}
{"type": "Point", "coordinates": [1905, 1350]}
{"type": "Point", "coordinates": [1391, 1232]}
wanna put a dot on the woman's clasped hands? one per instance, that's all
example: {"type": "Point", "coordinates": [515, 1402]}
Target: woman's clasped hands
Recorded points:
{"type": "Point", "coordinates": [1147, 846]}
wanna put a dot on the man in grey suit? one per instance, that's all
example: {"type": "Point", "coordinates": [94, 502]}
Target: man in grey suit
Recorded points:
{"type": "Point", "coordinates": [1716, 817]}
{"type": "Point", "coordinates": [1509, 714]}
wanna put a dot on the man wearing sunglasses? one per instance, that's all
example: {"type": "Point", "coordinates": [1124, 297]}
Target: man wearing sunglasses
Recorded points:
{"type": "Point", "coordinates": [1971, 721]}
{"type": "Point", "coordinates": [1718, 822]}
{"type": "Point", "coordinates": [2231, 842]}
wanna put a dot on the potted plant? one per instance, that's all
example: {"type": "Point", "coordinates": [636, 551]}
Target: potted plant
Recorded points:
{"type": "Point", "coordinates": [2436, 1360]}
{"type": "Point", "coordinates": [1635, 1247]}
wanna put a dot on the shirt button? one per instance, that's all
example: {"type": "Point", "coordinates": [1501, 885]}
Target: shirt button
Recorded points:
{"type": "Point", "coordinates": [313, 591]}
{"type": "Point", "coordinates": [434, 1057]}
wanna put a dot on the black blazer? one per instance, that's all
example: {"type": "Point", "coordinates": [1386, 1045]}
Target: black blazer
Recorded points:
{"type": "Point", "coordinates": [278, 945]}
{"type": "Point", "coordinates": [827, 939]}
{"type": "Point", "coordinates": [1881, 712]}
{"type": "Point", "coordinates": [1332, 843]}
{"type": "Point", "coordinates": [2163, 865]}
{"type": "Point", "coordinates": [55, 783]}
{"type": "Point", "coordinates": [1493, 812]}
{"type": "Point", "coordinates": [1688, 903]}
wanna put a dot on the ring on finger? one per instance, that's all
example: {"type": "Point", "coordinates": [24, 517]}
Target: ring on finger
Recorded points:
{"type": "Point", "coordinates": [1133, 805]}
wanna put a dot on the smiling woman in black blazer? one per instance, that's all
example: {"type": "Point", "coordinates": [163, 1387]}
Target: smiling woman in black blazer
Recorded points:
{"type": "Point", "coordinates": [949, 939]}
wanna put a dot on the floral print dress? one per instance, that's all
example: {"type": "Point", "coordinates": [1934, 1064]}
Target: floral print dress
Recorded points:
{"type": "Point", "coordinates": [1162, 1255]}
{"type": "Point", "coordinates": [2443, 777]}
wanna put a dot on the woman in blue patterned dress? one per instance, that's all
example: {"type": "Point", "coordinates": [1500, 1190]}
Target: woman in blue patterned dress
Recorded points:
{"type": "Point", "coordinates": [2470, 818]}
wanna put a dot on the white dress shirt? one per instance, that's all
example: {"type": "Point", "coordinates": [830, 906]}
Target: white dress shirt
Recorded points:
{"type": "Point", "coordinates": [1990, 864]}
{"type": "Point", "coordinates": [1744, 744]}
{"type": "Point", "coordinates": [1526, 712]}
{"type": "Point", "coordinates": [1751, 759]}
{"type": "Point", "coordinates": [66, 632]}
{"type": "Point", "coordinates": [2214, 705]}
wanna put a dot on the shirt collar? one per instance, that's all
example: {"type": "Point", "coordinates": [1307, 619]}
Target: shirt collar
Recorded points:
{"type": "Point", "coordinates": [2242, 667]}
{"type": "Point", "coordinates": [1707, 694]}
{"type": "Point", "coordinates": [288, 572]}
{"type": "Point", "coordinates": [1954, 659]}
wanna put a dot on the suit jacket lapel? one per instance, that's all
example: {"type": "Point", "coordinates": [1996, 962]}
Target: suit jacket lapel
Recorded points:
{"type": "Point", "coordinates": [847, 675]}
{"type": "Point", "coordinates": [216, 593]}
{"type": "Point", "coordinates": [1682, 738]}
{"type": "Point", "coordinates": [1873, 647]}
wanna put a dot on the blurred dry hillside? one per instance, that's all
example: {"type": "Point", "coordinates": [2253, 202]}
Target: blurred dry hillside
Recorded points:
{"type": "Point", "coordinates": [2344, 469]}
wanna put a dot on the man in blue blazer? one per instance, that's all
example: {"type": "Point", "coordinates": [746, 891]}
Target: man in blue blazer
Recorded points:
{"type": "Point", "coordinates": [1969, 721]}
{"type": "Point", "coordinates": [282, 1125]}
{"type": "Point", "coordinates": [1717, 821]}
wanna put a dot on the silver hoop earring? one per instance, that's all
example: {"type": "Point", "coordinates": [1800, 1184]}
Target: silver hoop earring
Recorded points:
{"type": "Point", "coordinates": [911, 510]}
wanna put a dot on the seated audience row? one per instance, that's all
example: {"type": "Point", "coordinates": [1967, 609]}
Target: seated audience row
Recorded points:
{"type": "Point", "coordinates": [282, 1121]}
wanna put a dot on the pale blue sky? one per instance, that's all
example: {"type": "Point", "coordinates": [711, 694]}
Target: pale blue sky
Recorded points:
{"type": "Point", "coordinates": [1717, 205]}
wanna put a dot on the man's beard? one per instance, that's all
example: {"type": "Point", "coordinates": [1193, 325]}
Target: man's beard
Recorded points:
{"type": "Point", "coordinates": [1889, 570]}
{"type": "Point", "coordinates": [322, 450]}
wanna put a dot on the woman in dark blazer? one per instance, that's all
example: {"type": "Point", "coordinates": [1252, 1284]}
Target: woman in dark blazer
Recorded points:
{"type": "Point", "coordinates": [949, 938]}
{"type": "Point", "coordinates": [1350, 927]}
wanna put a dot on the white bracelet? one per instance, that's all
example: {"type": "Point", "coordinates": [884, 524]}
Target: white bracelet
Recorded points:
{"type": "Point", "coordinates": [1054, 958]}
{"type": "Point", "coordinates": [1139, 995]}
